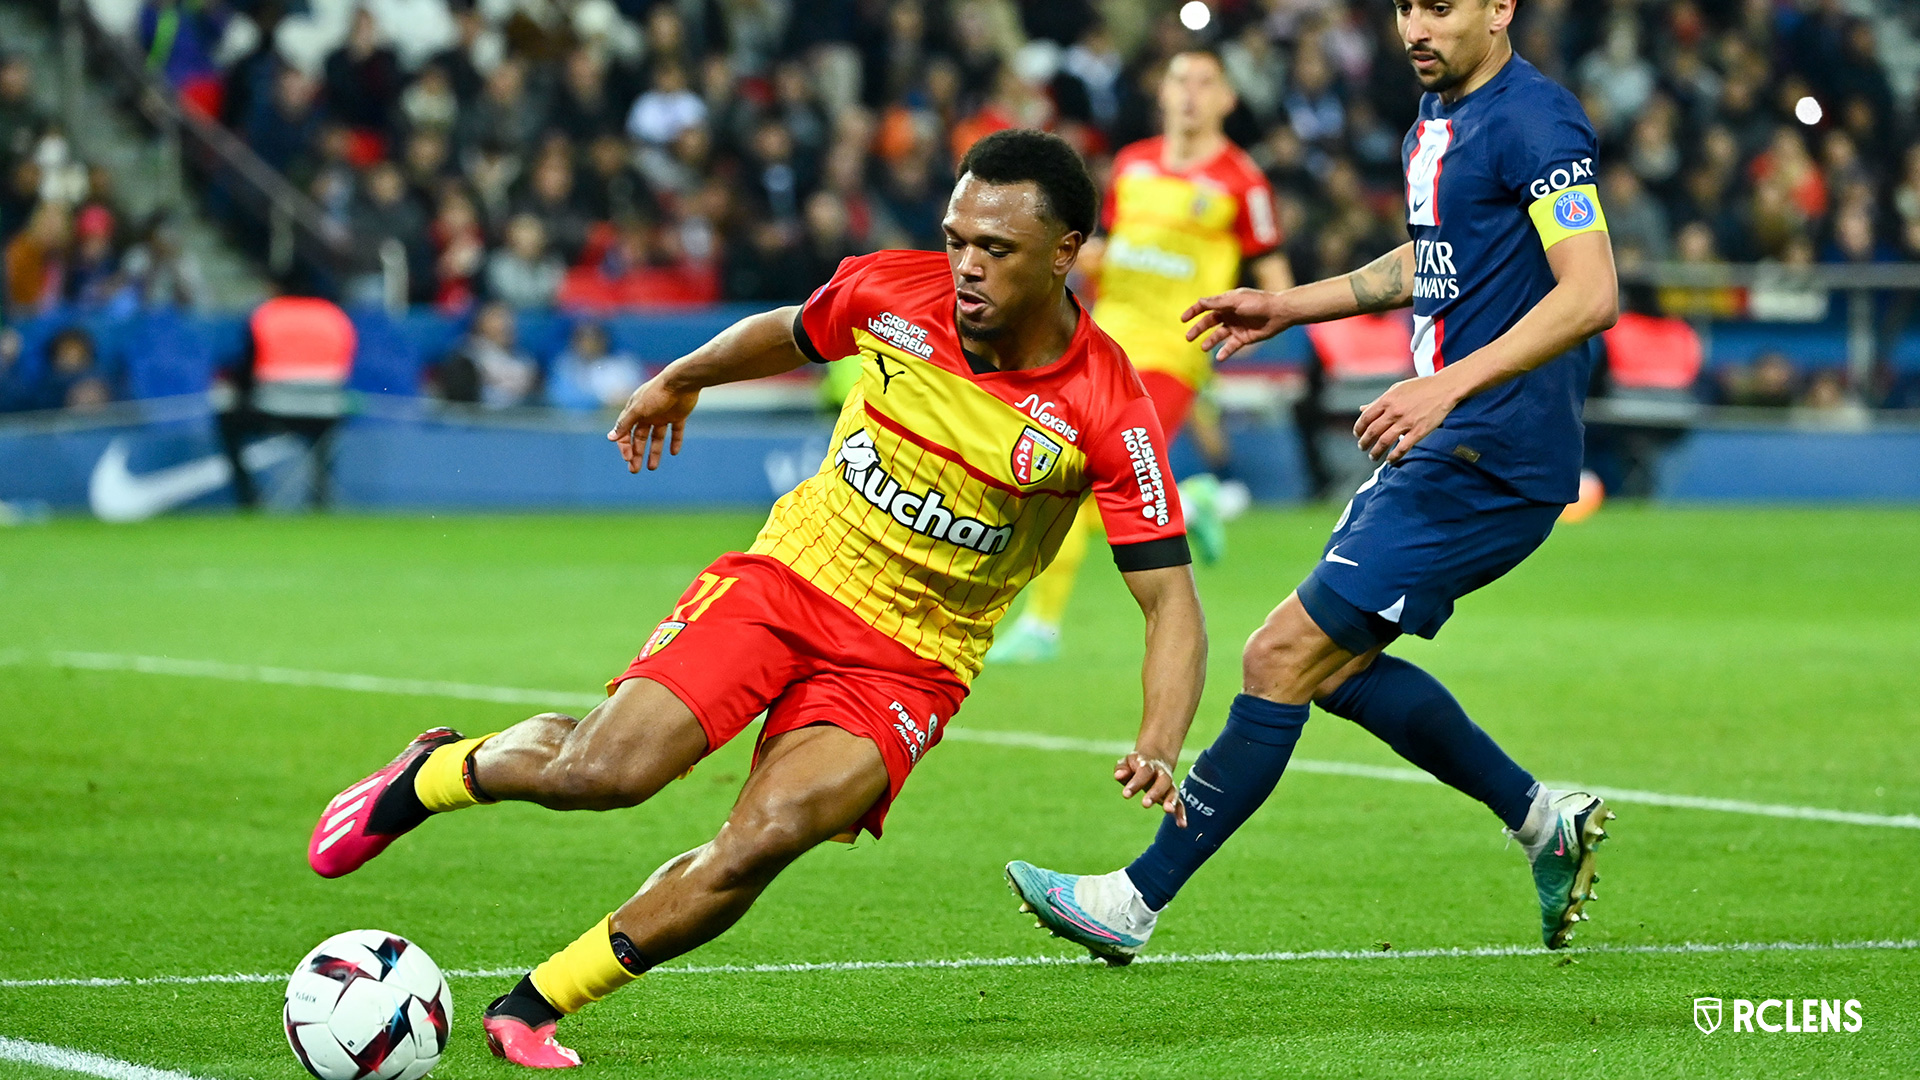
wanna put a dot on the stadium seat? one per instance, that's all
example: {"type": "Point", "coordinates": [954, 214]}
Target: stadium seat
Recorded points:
{"type": "Point", "coordinates": [172, 357]}
{"type": "Point", "coordinates": [1810, 346]}
{"type": "Point", "coordinates": [386, 359]}
{"type": "Point", "coordinates": [543, 334]}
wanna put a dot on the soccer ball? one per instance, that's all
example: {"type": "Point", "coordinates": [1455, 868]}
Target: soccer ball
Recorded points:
{"type": "Point", "coordinates": [368, 1005]}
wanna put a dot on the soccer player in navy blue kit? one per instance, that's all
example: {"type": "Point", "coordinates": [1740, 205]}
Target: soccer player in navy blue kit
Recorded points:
{"type": "Point", "coordinates": [1509, 274]}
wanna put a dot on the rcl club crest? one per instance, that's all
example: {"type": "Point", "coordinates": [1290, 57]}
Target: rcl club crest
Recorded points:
{"type": "Point", "coordinates": [1034, 456]}
{"type": "Point", "coordinates": [1706, 1015]}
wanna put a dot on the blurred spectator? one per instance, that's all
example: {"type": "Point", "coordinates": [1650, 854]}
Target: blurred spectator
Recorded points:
{"type": "Point", "coordinates": [588, 376]}
{"type": "Point", "coordinates": [159, 272]}
{"type": "Point", "coordinates": [284, 125]}
{"type": "Point", "coordinates": [93, 277]}
{"type": "Point", "coordinates": [429, 103]}
{"type": "Point", "coordinates": [827, 240]}
{"type": "Point", "coordinates": [181, 38]}
{"type": "Point", "coordinates": [20, 119]}
{"type": "Point", "coordinates": [610, 189]}
{"type": "Point", "coordinates": [667, 108]}
{"type": "Point", "coordinates": [1770, 382]}
{"type": "Point", "coordinates": [459, 250]}
{"type": "Point", "coordinates": [1826, 391]}
{"type": "Point", "coordinates": [16, 392]}
{"type": "Point", "coordinates": [71, 380]}
{"type": "Point", "coordinates": [1635, 220]}
{"type": "Point", "coordinates": [388, 211]}
{"type": "Point", "coordinates": [489, 367]}
{"type": "Point", "coordinates": [428, 164]}
{"type": "Point", "coordinates": [1314, 109]}
{"type": "Point", "coordinates": [506, 114]}
{"type": "Point", "coordinates": [1695, 246]}
{"type": "Point", "coordinates": [363, 78]}
{"type": "Point", "coordinates": [523, 274]}
{"type": "Point", "coordinates": [549, 197]}
{"type": "Point", "coordinates": [36, 260]}
{"type": "Point", "coordinates": [585, 108]}
{"type": "Point", "coordinates": [1617, 72]}
{"type": "Point", "coordinates": [1258, 72]}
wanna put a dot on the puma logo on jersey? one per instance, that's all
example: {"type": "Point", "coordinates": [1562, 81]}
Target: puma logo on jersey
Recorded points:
{"type": "Point", "coordinates": [858, 461]}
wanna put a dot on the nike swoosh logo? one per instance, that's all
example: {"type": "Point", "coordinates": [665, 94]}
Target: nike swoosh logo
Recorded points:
{"type": "Point", "coordinates": [116, 494]}
{"type": "Point", "coordinates": [1334, 558]}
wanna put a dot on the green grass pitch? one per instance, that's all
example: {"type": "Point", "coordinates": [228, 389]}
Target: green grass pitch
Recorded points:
{"type": "Point", "coordinates": [155, 825]}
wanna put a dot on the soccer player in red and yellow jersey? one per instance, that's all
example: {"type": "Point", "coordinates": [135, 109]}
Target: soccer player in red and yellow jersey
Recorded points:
{"type": "Point", "coordinates": [1187, 212]}
{"type": "Point", "coordinates": [990, 406]}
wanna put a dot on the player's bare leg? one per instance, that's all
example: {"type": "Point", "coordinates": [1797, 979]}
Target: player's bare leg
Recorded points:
{"type": "Point", "coordinates": [808, 786]}
{"type": "Point", "coordinates": [620, 754]}
{"type": "Point", "coordinates": [629, 747]}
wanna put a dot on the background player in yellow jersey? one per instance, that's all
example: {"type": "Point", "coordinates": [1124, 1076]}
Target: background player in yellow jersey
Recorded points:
{"type": "Point", "coordinates": [1186, 212]}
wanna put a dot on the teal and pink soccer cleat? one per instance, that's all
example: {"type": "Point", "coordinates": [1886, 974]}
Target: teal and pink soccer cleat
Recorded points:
{"type": "Point", "coordinates": [361, 821]}
{"type": "Point", "coordinates": [517, 1041]}
{"type": "Point", "coordinates": [1103, 914]}
{"type": "Point", "coordinates": [1027, 641]}
{"type": "Point", "coordinates": [1563, 872]}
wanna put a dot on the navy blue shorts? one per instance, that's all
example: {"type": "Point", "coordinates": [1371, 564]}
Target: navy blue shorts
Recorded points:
{"type": "Point", "coordinates": [1416, 537]}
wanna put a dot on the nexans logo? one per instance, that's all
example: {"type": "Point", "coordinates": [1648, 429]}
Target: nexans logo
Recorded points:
{"type": "Point", "coordinates": [859, 465]}
{"type": "Point", "coordinates": [1801, 1016]}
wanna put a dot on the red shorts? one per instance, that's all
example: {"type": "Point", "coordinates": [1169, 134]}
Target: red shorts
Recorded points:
{"type": "Point", "coordinates": [751, 636]}
{"type": "Point", "coordinates": [1172, 401]}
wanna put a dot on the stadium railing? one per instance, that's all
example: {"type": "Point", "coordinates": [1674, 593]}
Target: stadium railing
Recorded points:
{"type": "Point", "coordinates": [271, 215]}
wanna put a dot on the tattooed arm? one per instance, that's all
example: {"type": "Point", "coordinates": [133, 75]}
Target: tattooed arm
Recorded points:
{"type": "Point", "coordinates": [1234, 320]}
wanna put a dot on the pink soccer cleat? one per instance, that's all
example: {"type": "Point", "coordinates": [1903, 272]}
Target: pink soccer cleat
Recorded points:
{"type": "Point", "coordinates": [512, 1038]}
{"type": "Point", "coordinates": [361, 821]}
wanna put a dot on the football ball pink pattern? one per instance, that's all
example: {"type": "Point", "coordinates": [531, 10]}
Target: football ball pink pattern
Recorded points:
{"type": "Point", "coordinates": [368, 1005]}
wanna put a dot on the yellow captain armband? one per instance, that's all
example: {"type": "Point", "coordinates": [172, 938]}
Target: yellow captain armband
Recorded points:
{"type": "Point", "coordinates": [1567, 212]}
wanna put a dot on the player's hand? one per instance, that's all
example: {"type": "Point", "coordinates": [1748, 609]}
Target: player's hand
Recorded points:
{"type": "Point", "coordinates": [654, 419]}
{"type": "Point", "coordinates": [1397, 420]}
{"type": "Point", "coordinates": [1234, 320]}
{"type": "Point", "coordinates": [1152, 779]}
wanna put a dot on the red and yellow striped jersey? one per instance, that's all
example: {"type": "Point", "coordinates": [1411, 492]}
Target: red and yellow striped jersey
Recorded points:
{"type": "Point", "coordinates": [1173, 237]}
{"type": "Point", "coordinates": [945, 490]}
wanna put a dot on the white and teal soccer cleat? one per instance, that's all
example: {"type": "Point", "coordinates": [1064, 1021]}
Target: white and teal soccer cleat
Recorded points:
{"type": "Point", "coordinates": [1562, 860]}
{"type": "Point", "coordinates": [1206, 524]}
{"type": "Point", "coordinates": [1103, 913]}
{"type": "Point", "coordinates": [1027, 641]}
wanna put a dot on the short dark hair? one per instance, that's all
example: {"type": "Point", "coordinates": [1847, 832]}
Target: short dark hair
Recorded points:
{"type": "Point", "coordinates": [1019, 155]}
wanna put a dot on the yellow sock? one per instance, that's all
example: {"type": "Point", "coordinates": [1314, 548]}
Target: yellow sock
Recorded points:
{"type": "Point", "coordinates": [583, 972]}
{"type": "Point", "coordinates": [441, 782]}
{"type": "Point", "coordinates": [1047, 596]}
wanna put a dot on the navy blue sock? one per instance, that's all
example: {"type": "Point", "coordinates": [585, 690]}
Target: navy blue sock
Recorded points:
{"type": "Point", "coordinates": [1225, 786]}
{"type": "Point", "coordinates": [1410, 711]}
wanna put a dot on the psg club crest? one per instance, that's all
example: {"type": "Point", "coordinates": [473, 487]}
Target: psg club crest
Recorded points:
{"type": "Point", "coordinates": [1706, 1015]}
{"type": "Point", "coordinates": [1573, 210]}
{"type": "Point", "coordinates": [1034, 456]}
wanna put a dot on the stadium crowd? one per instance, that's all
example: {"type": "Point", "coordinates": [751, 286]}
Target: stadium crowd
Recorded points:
{"type": "Point", "coordinates": [600, 154]}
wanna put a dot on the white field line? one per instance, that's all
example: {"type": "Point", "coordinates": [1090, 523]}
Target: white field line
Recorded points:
{"type": "Point", "coordinates": [1328, 955]}
{"type": "Point", "coordinates": [378, 684]}
{"type": "Point", "coordinates": [59, 1057]}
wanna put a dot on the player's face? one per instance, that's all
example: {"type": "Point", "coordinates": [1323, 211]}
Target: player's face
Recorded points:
{"type": "Point", "coordinates": [1194, 94]}
{"type": "Point", "coordinates": [1447, 39]}
{"type": "Point", "coordinates": [1005, 252]}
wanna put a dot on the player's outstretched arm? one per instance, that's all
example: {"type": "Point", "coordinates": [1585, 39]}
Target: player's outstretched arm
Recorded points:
{"type": "Point", "coordinates": [1584, 301]}
{"type": "Point", "coordinates": [1234, 320]}
{"type": "Point", "coordinates": [655, 417]}
{"type": "Point", "coordinates": [1171, 679]}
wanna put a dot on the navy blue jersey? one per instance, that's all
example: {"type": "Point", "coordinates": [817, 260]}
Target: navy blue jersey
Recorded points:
{"type": "Point", "coordinates": [1493, 180]}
